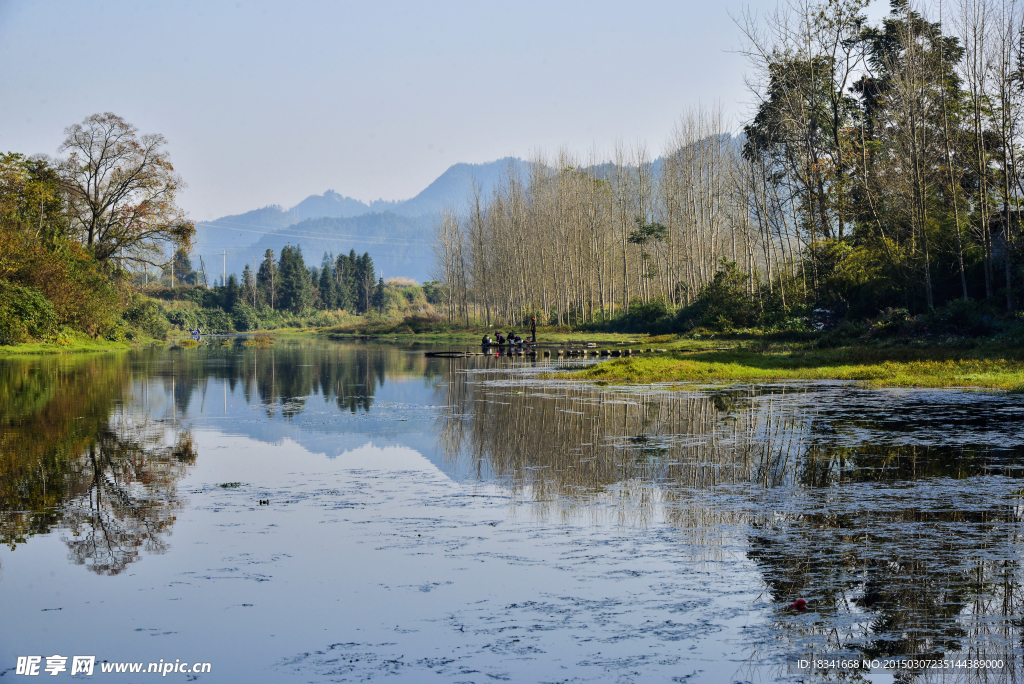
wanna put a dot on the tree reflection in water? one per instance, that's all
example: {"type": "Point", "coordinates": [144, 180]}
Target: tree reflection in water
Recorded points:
{"type": "Point", "coordinates": [566, 444]}
{"type": "Point", "coordinates": [125, 499]}
{"type": "Point", "coordinates": [74, 458]}
{"type": "Point", "coordinates": [283, 378]}
{"type": "Point", "coordinates": [898, 549]}
{"type": "Point", "coordinates": [901, 550]}
{"type": "Point", "coordinates": [70, 460]}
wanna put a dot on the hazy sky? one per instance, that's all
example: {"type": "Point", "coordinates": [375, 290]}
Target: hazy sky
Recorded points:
{"type": "Point", "coordinates": [268, 102]}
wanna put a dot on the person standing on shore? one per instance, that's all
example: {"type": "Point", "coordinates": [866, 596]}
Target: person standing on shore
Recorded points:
{"type": "Point", "coordinates": [533, 330]}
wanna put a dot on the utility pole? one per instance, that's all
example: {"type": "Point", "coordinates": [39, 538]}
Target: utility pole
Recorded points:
{"type": "Point", "coordinates": [224, 278]}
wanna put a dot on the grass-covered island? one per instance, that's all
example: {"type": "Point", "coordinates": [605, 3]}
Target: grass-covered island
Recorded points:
{"type": "Point", "coordinates": [885, 366]}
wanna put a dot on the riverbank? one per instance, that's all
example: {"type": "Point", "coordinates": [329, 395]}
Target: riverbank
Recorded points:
{"type": "Point", "coordinates": [894, 366]}
{"type": "Point", "coordinates": [76, 346]}
{"type": "Point", "coordinates": [973, 363]}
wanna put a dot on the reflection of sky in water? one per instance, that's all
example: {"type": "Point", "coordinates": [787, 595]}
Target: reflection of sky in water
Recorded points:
{"type": "Point", "coordinates": [471, 526]}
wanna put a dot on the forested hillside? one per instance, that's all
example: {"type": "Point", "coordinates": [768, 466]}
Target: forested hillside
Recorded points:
{"type": "Point", "coordinates": [400, 245]}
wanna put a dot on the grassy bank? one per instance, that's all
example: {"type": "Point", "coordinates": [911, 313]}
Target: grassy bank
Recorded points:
{"type": "Point", "coordinates": [874, 366]}
{"type": "Point", "coordinates": [74, 346]}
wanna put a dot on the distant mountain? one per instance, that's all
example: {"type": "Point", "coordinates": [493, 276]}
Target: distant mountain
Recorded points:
{"type": "Point", "coordinates": [232, 232]}
{"type": "Point", "coordinates": [332, 204]}
{"type": "Point", "coordinates": [399, 245]}
{"type": "Point", "coordinates": [454, 187]}
{"type": "Point", "coordinates": [396, 233]}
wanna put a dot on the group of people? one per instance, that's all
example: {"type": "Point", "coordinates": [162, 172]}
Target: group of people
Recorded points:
{"type": "Point", "coordinates": [513, 338]}
{"type": "Point", "coordinates": [196, 333]}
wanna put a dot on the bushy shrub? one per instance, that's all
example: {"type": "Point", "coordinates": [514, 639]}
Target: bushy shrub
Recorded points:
{"type": "Point", "coordinates": [207, 320]}
{"type": "Point", "coordinates": [722, 304]}
{"type": "Point", "coordinates": [650, 317]}
{"type": "Point", "coordinates": [81, 295]}
{"type": "Point", "coordinates": [961, 317]}
{"type": "Point", "coordinates": [25, 313]}
{"type": "Point", "coordinates": [891, 323]}
{"type": "Point", "coordinates": [245, 317]}
{"type": "Point", "coordinates": [844, 334]}
{"type": "Point", "coordinates": [118, 331]}
{"type": "Point", "coordinates": [426, 323]}
{"type": "Point", "coordinates": [436, 293]}
{"type": "Point", "coordinates": [147, 316]}
{"type": "Point", "coordinates": [218, 321]}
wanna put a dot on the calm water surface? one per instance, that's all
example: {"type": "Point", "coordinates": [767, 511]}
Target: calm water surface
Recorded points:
{"type": "Point", "coordinates": [320, 511]}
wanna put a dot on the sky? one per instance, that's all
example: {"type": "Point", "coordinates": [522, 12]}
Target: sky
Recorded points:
{"type": "Point", "coordinates": [269, 102]}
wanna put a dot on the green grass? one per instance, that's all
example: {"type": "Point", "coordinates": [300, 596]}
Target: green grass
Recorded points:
{"type": "Point", "coordinates": [75, 345]}
{"type": "Point", "coordinates": [879, 367]}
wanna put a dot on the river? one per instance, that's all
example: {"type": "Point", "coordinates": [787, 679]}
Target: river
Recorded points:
{"type": "Point", "coordinates": [321, 511]}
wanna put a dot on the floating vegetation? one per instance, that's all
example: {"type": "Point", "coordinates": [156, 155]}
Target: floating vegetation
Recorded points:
{"type": "Point", "coordinates": [879, 368]}
{"type": "Point", "coordinates": [186, 344]}
{"type": "Point", "coordinates": [259, 341]}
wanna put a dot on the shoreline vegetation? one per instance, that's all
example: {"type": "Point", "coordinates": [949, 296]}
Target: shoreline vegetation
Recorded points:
{"type": "Point", "coordinates": [830, 239]}
{"type": "Point", "coordinates": [952, 362]}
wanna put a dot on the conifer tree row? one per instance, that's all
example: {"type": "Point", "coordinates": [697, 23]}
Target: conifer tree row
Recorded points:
{"type": "Point", "coordinates": [285, 283]}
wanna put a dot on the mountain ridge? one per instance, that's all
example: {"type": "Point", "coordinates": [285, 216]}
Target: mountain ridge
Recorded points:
{"type": "Point", "coordinates": [234, 236]}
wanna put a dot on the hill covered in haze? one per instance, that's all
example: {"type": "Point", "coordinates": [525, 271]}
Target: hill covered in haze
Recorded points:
{"type": "Point", "coordinates": [397, 234]}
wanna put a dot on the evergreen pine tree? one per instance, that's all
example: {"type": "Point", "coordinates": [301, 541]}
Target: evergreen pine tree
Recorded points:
{"type": "Point", "coordinates": [230, 294]}
{"type": "Point", "coordinates": [295, 291]}
{"type": "Point", "coordinates": [379, 298]}
{"type": "Point", "coordinates": [267, 280]}
{"type": "Point", "coordinates": [328, 290]}
{"type": "Point", "coordinates": [249, 290]}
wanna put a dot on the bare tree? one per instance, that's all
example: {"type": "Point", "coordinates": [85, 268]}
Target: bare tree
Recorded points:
{"type": "Point", "coordinates": [121, 190]}
{"type": "Point", "coordinates": [973, 23]}
{"type": "Point", "coordinates": [1004, 66]}
{"type": "Point", "coordinates": [449, 260]}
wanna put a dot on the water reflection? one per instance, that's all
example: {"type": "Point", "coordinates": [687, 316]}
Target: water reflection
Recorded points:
{"type": "Point", "coordinates": [566, 442]}
{"type": "Point", "coordinates": [903, 541]}
{"type": "Point", "coordinates": [282, 378]}
{"type": "Point", "coordinates": [895, 515]}
{"type": "Point", "coordinates": [70, 461]}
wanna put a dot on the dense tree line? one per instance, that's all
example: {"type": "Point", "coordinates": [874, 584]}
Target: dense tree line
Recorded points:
{"type": "Point", "coordinates": [347, 282]}
{"type": "Point", "coordinates": [878, 169]}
